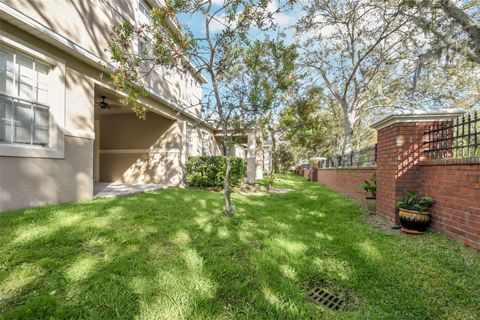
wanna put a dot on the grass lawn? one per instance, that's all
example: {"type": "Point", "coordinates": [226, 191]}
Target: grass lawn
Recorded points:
{"type": "Point", "coordinates": [172, 255]}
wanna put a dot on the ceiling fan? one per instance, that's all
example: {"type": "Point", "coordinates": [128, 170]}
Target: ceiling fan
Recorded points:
{"type": "Point", "coordinates": [103, 104]}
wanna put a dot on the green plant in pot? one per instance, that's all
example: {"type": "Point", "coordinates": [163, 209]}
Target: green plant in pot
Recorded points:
{"type": "Point", "coordinates": [371, 188]}
{"type": "Point", "coordinates": [414, 217]}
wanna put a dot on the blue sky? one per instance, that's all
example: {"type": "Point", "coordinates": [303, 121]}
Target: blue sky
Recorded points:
{"type": "Point", "coordinates": [283, 20]}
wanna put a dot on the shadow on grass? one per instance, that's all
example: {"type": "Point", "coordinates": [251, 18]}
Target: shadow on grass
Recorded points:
{"type": "Point", "coordinates": [171, 254]}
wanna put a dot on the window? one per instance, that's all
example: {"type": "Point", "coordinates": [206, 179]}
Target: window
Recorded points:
{"type": "Point", "coordinates": [144, 14]}
{"type": "Point", "coordinates": [24, 115]}
{"type": "Point", "coordinates": [144, 44]}
{"type": "Point", "coordinates": [144, 47]}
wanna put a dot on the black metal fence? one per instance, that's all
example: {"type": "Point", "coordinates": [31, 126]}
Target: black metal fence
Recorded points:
{"type": "Point", "coordinates": [366, 157]}
{"type": "Point", "coordinates": [455, 138]}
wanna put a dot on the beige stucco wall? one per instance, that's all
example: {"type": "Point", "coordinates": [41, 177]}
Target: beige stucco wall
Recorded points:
{"type": "Point", "coordinates": [88, 23]}
{"type": "Point", "coordinates": [28, 182]}
{"type": "Point", "coordinates": [85, 22]}
{"type": "Point", "coordinates": [140, 151]}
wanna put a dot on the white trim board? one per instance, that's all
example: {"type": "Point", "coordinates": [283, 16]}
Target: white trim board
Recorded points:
{"type": "Point", "coordinates": [417, 116]}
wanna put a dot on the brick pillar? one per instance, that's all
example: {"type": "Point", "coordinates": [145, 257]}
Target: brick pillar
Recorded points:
{"type": "Point", "coordinates": [400, 148]}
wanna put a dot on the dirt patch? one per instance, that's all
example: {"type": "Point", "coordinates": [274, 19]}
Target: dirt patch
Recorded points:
{"type": "Point", "coordinates": [381, 223]}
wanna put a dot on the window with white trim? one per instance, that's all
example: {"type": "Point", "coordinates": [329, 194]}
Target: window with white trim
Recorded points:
{"type": "Point", "coordinates": [144, 44]}
{"type": "Point", "coordinates": [144, 16]}
{"type": "Point", "coordinates": [24, 113]}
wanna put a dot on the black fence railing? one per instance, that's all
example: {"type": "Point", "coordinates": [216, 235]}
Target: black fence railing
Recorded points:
{"type": "Point", "coordinates": [366, 157]}
{"type": "Point", "coordinates": [455, 138]}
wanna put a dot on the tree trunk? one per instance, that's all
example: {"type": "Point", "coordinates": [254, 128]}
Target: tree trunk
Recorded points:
{"type": "Point", "coordinates": [227, 185]}
{"type": "Point", "coordinates": [348, 121]}
{"type": "Point", "coordinates": [221, 115]}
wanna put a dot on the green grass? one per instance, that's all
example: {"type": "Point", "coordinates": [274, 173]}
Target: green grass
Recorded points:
{"type": "Point", "coordinates": [172, 255]}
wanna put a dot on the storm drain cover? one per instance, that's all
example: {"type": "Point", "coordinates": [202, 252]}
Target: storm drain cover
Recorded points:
{"type": "Point", "coordinates": [326, 299]}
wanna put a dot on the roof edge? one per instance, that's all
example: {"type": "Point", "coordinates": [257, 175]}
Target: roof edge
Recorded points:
{"type": "Point", "coordinates": [417, 116]}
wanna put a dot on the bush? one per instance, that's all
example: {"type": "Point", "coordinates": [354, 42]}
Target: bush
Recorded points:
{"type": "Point", "coordinates": [209, 171]}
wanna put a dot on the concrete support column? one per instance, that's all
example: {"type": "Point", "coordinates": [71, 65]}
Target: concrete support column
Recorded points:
{"type": "Point", "coordinates": [400, 148]}
{"type": "Point", "coordinates": [251, 157]}
{"type": "Point", "coordinates": [259, 159]}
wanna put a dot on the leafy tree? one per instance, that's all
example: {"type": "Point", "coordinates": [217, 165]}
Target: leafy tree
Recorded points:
{"type": "Point", "coordinates": [284, 157]}
{"type": "Point", "coordinates": [267, 81]}
{"type": "Point", "coordinates": [451, 25]}
{"type": "Point", "coordinates": [442, 65]}
{"type": "Point", "coordinates": [350, 51]}
{"type": "Point", "coordinates": [307, 123]}
{"type": "Point", "coordinates": [171, 45]}
{"type": "Point", "coordinates": [371, 57]}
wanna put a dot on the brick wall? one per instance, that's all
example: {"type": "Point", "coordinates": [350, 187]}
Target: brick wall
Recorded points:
{"type": "Point", "coordinates": [399, 150]}
{"type": "Point", "coordinates": [403, 165]}
{"type": "Point", "coordinates": [455, 186]}
{"type": "Point", "coordinates": [345, 180]}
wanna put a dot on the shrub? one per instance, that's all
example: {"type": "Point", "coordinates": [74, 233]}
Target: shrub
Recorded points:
{"type": "Point", "coordinates": [370, 186]}
{"type": "Point", "coordinates": [413, 202]}
{"type": "Point", "coordinates": [209, 171]}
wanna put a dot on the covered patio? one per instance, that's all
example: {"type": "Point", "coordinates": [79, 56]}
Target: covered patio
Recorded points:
{"type": "Point", "coordinates": [132, 155]}
{"type": "Point", "coordinates": [115, 189]}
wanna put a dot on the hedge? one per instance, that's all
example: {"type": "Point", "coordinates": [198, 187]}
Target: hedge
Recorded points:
{"type": "Point", "coordinates": [209, 171]}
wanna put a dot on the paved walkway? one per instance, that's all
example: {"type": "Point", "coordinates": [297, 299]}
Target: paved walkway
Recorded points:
{"type": "Point", "coordinates": [114, 189]}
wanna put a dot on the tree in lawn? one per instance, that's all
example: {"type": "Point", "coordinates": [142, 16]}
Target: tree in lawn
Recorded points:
{"type": "Point", "coordinates": [349, 49]}
{"type": "Point", "coordinates": [266, 82]}
{"type": "Point", "coordinates": [225, 27]}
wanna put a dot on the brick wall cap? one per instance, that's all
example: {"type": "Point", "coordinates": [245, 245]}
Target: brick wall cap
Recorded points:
{"type": "Point", "coordinates": [417, 116]}
{"type": "Point", "coordinates": [350, 168]}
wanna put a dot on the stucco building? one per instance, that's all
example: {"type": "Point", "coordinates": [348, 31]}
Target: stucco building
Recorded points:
{"type": "Point", "coordinates": [57, 136]}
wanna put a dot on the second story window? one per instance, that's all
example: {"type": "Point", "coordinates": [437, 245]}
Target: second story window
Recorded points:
{"type": "Point", "coordinates": [144, 18]}
{"type": "Point", "coordinates": [24, 114]}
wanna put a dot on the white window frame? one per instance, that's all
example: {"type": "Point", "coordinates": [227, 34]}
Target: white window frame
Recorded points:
{"type": "Point", "coordinates": [32, 103]}
{"type": "Point", "coordinates": [143, 18]}
{"type": "Point", "coordinates": [56, 103]}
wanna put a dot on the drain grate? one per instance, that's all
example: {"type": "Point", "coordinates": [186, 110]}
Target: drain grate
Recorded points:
{"type": "Point", "coordinates": [326, 299]}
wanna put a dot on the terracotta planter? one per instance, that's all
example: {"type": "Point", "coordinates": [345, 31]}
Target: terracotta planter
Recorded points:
{"type": "Point", "coordinates": [371, 205]}
{"type": "Point", "coordinates": [414, 220]}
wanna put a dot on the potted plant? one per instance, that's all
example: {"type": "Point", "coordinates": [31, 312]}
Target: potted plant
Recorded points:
{"type": "Point", "coordinates": [414, 217]}
{"type": "Point", "coordinates": [371, 188]}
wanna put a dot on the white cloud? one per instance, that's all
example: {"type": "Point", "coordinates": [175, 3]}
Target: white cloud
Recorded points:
{"type": "Point", "coordinates": [280, 18]}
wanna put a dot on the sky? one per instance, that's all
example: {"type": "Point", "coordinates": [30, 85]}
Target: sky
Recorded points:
{"type": "Point", "coordinates": [282, 19]}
